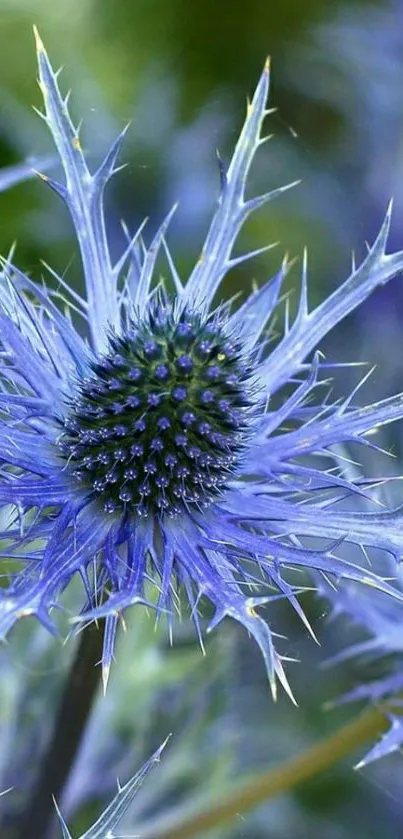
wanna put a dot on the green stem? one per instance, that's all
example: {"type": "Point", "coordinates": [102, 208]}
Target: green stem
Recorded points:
{"type": "Point", "coordinates": [268, 785]}
{"type": "Point", "coordinates": [38, 818]}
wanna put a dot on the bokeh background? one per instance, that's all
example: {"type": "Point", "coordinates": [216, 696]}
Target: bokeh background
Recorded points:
{"type": "Point", "coordinates": [181, 71]}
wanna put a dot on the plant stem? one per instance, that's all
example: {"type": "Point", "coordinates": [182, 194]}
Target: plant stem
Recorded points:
{"type": "Point", "coordinates": [71, 718]}
{"type": "Point", "coordinates": [268, 785]}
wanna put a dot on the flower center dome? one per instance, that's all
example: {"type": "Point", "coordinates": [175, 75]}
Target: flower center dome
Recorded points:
{"type": "Point", "coordinates": [161, 424]}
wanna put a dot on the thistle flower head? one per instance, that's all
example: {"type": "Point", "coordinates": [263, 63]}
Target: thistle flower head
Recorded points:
{"type": "Point", "coordinates": [156, 448]}
{"type": "Point", "coordinates": [159, 427]}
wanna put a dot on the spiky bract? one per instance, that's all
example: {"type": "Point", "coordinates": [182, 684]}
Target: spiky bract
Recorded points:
{"type": "Point", "coordinates": [162, 447]}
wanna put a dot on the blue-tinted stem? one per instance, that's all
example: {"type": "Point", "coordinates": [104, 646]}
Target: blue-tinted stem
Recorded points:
{"type": "Point", "coordinates": [38, 819]}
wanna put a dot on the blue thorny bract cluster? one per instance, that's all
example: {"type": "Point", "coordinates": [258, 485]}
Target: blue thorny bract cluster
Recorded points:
{"type": "Point", "coordinates": [149, 451]}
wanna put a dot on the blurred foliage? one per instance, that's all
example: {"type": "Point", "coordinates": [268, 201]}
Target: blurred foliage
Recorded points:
{"type": "Point", "coordinates": [181, 72]}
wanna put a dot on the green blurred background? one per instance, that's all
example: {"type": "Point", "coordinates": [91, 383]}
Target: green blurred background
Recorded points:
{"type": "Point", "coordinates": [181, 72]}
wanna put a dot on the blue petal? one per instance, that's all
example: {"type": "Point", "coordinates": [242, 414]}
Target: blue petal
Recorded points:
{"type": "Point", "coordinates": [65, 336]}
{"type": "Point", "coordinates": [83, 194]}
{"type": "Point", "coordinates": [105, 826]}
{"type": "Point", "coordinates": [392, 741]}
{"type": "Point", "coordinates": [223, 536]}
{"type": "Point", "coordinates": [24, 493]}
{"type": "Point", "coordinates": [37, 373]}
{"type": "Point", "coordinates": [111, 625]}
{"type": "Point", "coordinates": [215, 259]}
{"type": "Point", "coordinates": [112, 816]}
{"type": "Point", "coordinates": [18, 173]}
{"type": "Point", "coordinates": [375, 691]}
{"type": "Point", "coordinates": [128, 576]}
{"type": "Point", "coordinates": [250, 319]}
{"type": "Point", "coordinates": [213, 575]}
{"type": "Point", "coordinates": [382, 530]}
{"type": "Point", "coordinates": [309, 328]}
{"type": "Point", "coordinates": [339, 426]}
{"type": "Point", "coordinates": [273, 420]}
{"type": "Point", "coordinates": [73, 550]}
{"type": "Point", "coordinates": [27, 450]}
{"type": "Point", "coordinates": [379, 616]}
{"type": "Point", "coordinates": [141, 296]}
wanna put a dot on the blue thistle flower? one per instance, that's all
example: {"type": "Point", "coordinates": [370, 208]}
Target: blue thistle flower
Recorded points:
{"type": "Point", "coordinates": [154, 449]}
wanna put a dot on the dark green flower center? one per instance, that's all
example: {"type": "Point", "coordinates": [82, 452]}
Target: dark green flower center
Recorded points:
{"type": "Point", "coordinates": [161, 423]}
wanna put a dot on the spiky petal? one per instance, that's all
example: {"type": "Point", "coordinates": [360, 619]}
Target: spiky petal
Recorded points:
{"type": "Point", "coordinates": [108, 822]}
{"type": "Point", "coordinates": [152, 448]}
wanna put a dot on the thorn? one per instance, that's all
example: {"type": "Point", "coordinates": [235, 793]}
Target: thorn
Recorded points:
{"type": "Point", "coordinates": [288, 263]}
{"type": "Point", "coordinates": [360, 765]}
{"type": "Point", "coordinates": [41, 175]}
{"type": "Point", "coordinates": [37, 111]}
{"type": "Point", "coordinates": [249, 108]}
{"type": "Point", "coordinates": [105, 676]}
{"type": "Point", "coordinates": [38, 41]}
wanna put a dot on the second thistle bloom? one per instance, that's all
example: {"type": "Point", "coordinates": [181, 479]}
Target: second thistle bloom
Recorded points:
{"type": "Point", "coordinates": [150, 450]}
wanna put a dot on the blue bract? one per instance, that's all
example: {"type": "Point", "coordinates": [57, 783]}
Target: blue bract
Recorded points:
{"type": "Point", "coordinates": [161, 448]}
{"type": "Point", "coordinates": [110, 819]}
